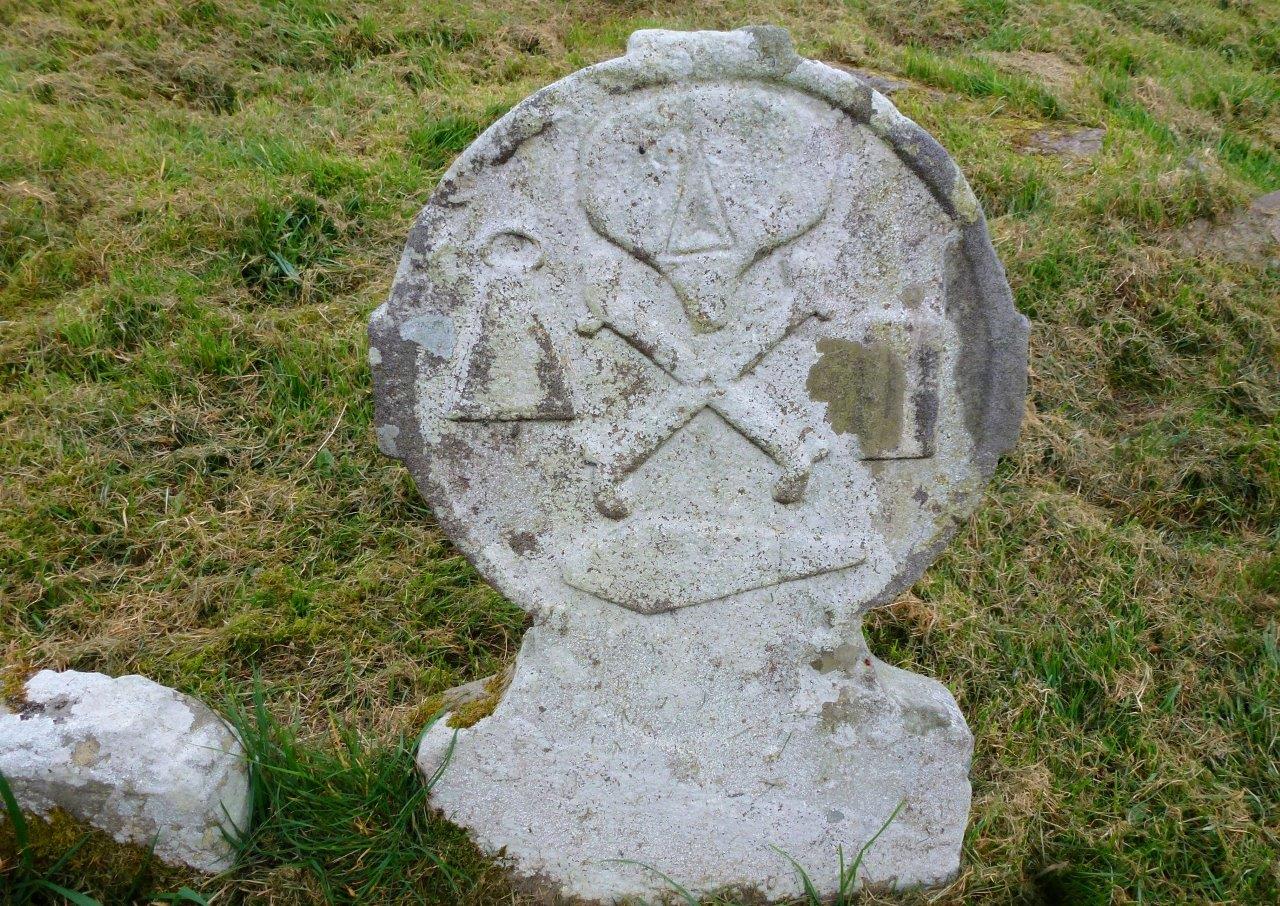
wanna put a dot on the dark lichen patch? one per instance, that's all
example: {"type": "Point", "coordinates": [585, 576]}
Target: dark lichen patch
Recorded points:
{"type": "Point", "coordinates": [841, 711]}
{"type": "Point", "coordinates": [29, 709]}
{"type": "Point", "coordinates": [856, 707]}
{"type": "Point", "coordinates": [508, 141]}
{"type": "Point", "coordinates": [846, 658]}
{"type": "Point", "coordinates": [863, 387]}
{"type": "Point", "coordinates": [925, 399]}
{"type": "Point", "coordinates": [507, 346]}
{"type": "Point", "coordinates": [774, 47]}
{"type": "Point", "coordinates": [557, 402]}
{"type": "Point", "coordinates": [921, 720]}
{"type": "Point", "coordinates": [523, 543]}
{"type": "Point", "coordinates": [112, 872]}
{"type": "Point", "coordinates": [964, 309]}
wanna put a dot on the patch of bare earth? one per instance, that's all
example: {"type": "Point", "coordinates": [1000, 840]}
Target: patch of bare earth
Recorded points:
{"type": "Point", "coordinates": [1246, 235]}
{"type": "Point", "coordinates": [1049, 69]}
{"type": "Point", "coordinates": [1080, 143]}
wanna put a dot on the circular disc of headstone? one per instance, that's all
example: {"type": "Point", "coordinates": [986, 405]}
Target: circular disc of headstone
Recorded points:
{"type": "Point", "coordinates": [681, 326]}
{"type": "Point", "coordinates": [698, 354]}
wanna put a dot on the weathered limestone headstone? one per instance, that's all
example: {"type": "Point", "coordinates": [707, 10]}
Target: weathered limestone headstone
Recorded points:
{"type": "Point", "coordinates": [136, 759]}
{"type": "Point", "coordinates": [699, 354]}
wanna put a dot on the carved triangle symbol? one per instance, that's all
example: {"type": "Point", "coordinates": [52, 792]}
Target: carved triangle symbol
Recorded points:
{"type": "Point", "coordinates": [513, 373]}
{"type": "Point", "coordinates": [700, 223]}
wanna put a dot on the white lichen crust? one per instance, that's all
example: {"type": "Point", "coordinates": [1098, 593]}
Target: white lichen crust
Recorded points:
{"type": "Point", "coordinates": [696, 745]}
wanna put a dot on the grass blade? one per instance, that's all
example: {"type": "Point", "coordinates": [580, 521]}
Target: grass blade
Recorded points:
{"type": "Point", "coordinates": [66, 856]}
{"type": "Point", "coordinates": [21, 834]}
{"type": "Point", "coordinates": [852, 874]}
{"type": "Point", "coordinates": [809, 890]}
{"type": "Point", "coordinates": [183, 895]}
{"type": "Point", "coordinates": [676, 886]}
{"type": "Point", "coordinates": [72, 896]}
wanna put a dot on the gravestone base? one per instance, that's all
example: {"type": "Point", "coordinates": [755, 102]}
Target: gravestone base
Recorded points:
{"type": "Point", "coordinates": [705, 743]}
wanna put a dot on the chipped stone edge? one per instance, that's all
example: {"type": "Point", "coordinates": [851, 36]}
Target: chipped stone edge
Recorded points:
{"type": "Point", "coordinates": [766, 53]}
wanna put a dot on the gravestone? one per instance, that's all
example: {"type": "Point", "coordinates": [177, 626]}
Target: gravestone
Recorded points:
{"type": "Point", "coordinates": [699, 354]}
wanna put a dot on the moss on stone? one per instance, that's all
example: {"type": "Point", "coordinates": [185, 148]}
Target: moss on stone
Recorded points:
{"type": "Point", "coordinates": [430, 708]}
{"type": "Point", "coordinates": [472, 712]}
{"type": "Point", "coordinates": [13, 684]}
{"type": "Point", "coordinates": [99, 865]}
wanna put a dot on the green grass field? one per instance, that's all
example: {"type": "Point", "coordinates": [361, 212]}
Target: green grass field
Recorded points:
{"type": "Point", "coordinates": [202, 200]}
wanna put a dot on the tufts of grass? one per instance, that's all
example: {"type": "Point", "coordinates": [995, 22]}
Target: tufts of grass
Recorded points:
{"type": "Point", "coordinates": [56, 858]}
{"type": "Point", "coordinates": [438, 142]}
{"type": "Point", "coordinates": [939, 23]}
{"type": "Point", "coordinates": [349, 823]}
{"type": "Point", "coordinates": [282, 243]}
{"type": "Point", "coordinates": [980, 79]}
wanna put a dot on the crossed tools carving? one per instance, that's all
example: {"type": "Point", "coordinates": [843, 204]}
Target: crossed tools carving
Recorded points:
{"type": "Point", "coordinates": [721, 386]}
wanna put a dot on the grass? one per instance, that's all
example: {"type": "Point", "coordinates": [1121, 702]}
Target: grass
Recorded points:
{"type": "Point", "coordinates": [348, 822]}
{"type": "Point", "coordinates": [200, 203]}
{"type": "Point", "coordinates": [37, 853]}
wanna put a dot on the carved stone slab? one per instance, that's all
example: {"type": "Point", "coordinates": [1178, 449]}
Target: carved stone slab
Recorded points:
{"type": "Point", "coordinates": [698, 354]}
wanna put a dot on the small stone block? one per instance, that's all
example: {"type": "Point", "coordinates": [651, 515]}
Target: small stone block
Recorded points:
{"type": "Point", "coordinates": [130, 757]}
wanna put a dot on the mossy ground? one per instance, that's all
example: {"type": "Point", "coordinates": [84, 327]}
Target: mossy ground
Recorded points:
{"type": "Point", "coordinates": [201, 201]}
{"type": "Point", "coordinates": [119, 872]}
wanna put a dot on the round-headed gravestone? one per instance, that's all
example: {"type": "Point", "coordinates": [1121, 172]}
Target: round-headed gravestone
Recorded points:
{"type": "Point", "coordinates": [698, 354]}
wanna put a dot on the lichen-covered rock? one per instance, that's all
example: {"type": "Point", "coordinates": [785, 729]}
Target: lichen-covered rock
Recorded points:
{"type": "Point", "coordinates": [699, 354]}
{"type": "Point", "coordinates": [135, 759]}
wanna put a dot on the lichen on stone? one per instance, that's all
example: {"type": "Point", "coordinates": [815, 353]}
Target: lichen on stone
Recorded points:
{"type": "Point", "coordinates": [963, 200]}
{"type": "Point", "coordinates": [863, 387]}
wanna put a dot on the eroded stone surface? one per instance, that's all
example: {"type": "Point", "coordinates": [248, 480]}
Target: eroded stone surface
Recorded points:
{"type": "Point", "coordinates": [698, 354]}
{"type": "Point", "coordinates": [1083, 143]}
{"type": "Point", "coordinates": [1249, 235]}
{"type": "Point", "coordinates": [132, 758]}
